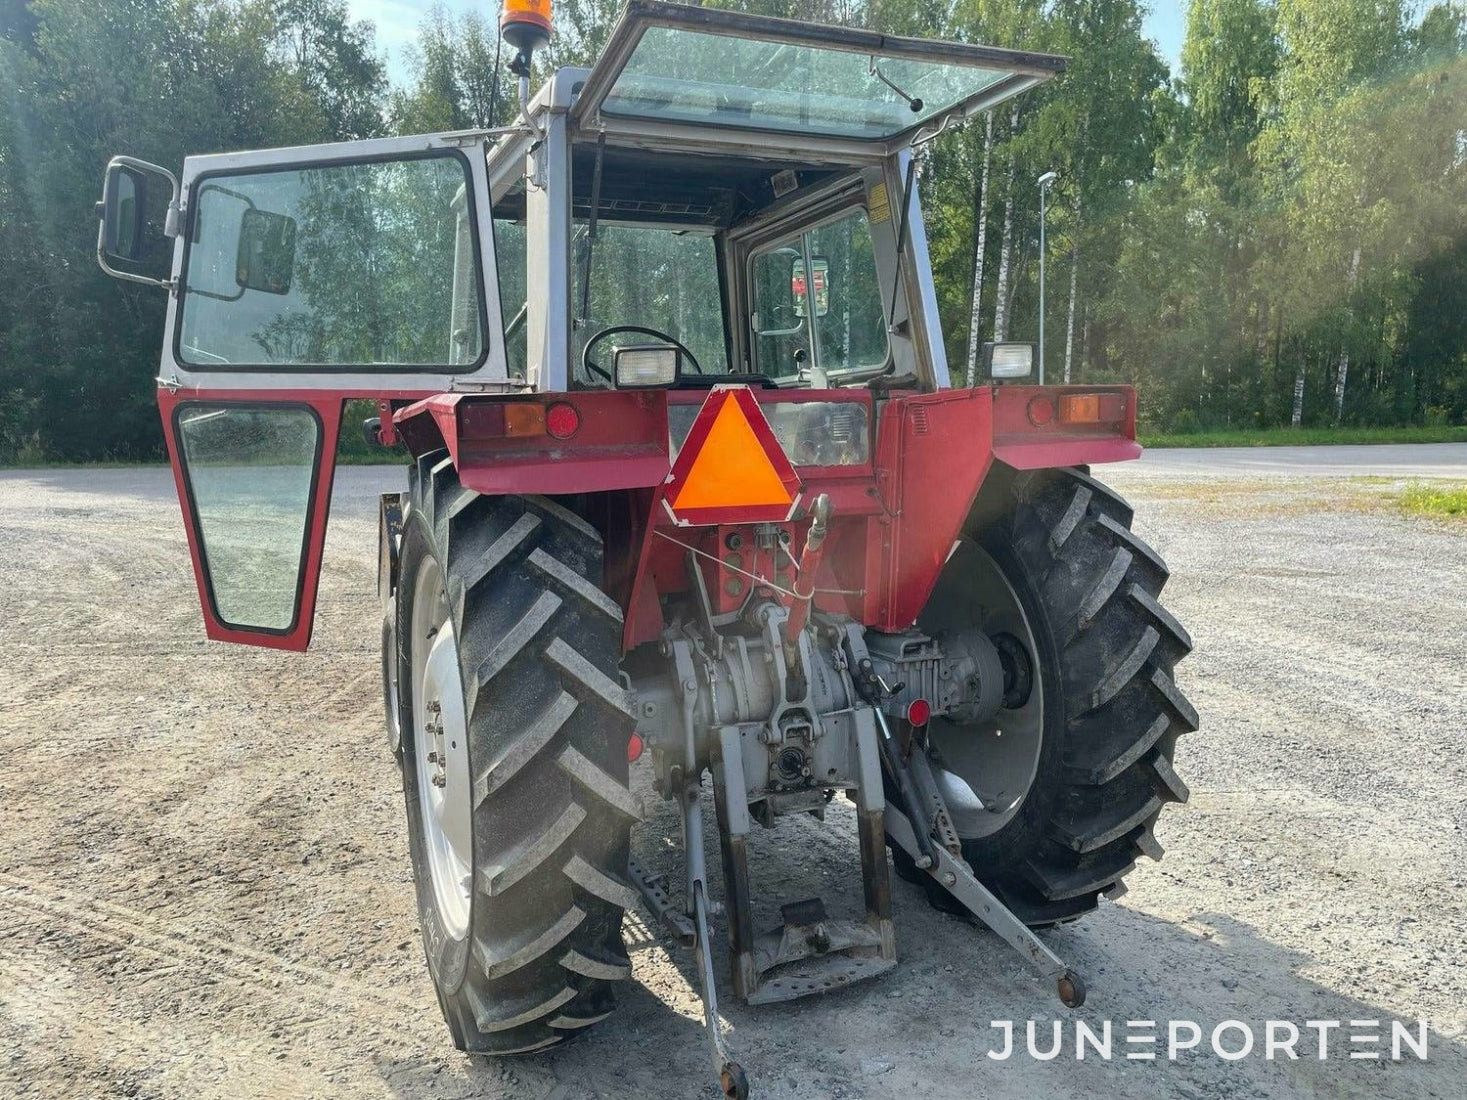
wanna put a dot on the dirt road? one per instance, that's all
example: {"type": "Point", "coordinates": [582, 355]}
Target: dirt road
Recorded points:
{"type": "Point", "coordinates": [204, 886]}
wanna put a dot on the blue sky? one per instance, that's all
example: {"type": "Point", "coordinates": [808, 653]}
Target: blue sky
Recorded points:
{"type": "Point", "coordinates": [397, 24]}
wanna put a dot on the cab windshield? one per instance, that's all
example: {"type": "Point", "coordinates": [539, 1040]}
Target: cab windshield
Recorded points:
{"type": "Point", "coordinates": [753, 267]}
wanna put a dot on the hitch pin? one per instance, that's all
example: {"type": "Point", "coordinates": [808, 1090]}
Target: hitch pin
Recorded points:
{"type": "Point", "coordinates": [809, 564]}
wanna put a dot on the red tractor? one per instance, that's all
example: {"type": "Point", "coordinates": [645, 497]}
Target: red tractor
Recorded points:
{"type": "Point", "coordinates": [691, 485]}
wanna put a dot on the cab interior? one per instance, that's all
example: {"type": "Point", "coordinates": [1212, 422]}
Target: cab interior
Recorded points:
{"type": "Point", "coordinates": [760, 268]}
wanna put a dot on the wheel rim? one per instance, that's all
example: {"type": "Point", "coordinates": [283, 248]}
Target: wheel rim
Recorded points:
{"type": "Point", "coordinates": [440, 752]}
{"type": "Point", "coordinates": [998, 758]}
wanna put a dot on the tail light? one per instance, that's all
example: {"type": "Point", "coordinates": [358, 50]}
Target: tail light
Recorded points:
{"type": "Point", "coordinates": [518, 420]}
{"type": "Point", "coordinates": [1092, 408]}
{"type": "Point", "coordinates": [562, 420]}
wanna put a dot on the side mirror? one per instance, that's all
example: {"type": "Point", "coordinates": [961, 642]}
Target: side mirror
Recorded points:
{"type": "Point", "coordinates": [266, 257]}
{"type": "Point", "coordinates": [123, 197]}
{"type": "Point", "coordinates": [814, 287]}
{"type": "Point", "coordinates": [778, 311]}
{"type": "Point", "coordinates": [139, 216]}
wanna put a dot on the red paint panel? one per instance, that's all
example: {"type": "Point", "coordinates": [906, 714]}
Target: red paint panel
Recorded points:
{"type": "Point", "coordinates": [1026, 439]}
{"type": "Point", "coordinates": [1048, 454]}
{"type": "Point", "coordinates": [621, 442]}
{"type": "Point", "coordinates": [934, 451]}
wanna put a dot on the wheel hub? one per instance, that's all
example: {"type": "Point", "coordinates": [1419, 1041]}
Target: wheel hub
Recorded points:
{"type": "Point", "coordinates": [996, 758]}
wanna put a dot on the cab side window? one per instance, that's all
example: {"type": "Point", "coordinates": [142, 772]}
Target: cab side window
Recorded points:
{"type": "Point", "coordinates": [817, 303]}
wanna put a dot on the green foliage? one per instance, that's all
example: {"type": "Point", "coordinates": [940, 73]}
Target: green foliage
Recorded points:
{"type": "Point", "coordinates": [1435, 500]}
{"type": "Point", "coordinates": [157, 79]}
{"type": "Point", "coordinates": [1286, 214]}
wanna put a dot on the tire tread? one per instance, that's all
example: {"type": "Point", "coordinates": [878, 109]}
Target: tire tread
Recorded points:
{"type": "Point", "coordinates": [548, 731]}
{"type": "Point", "coordinates": [1097, 583]}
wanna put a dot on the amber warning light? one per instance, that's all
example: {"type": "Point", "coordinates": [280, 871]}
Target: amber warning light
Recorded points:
{"type": "Point", "coordinates": [525, 24]}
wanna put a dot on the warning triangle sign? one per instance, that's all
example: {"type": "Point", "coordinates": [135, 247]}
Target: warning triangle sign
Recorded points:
{"type": "Point", "coordinates": [731, 469]}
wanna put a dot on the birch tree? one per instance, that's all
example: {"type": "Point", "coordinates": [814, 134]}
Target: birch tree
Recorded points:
{"type": "Point", "coordinates": [1006, 246]}
{"type": "Point", "coordinates": [975, 315]}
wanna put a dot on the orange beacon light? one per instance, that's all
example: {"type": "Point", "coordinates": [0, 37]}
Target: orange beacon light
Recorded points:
{"type": "Point", "coordinates": [525, 24]}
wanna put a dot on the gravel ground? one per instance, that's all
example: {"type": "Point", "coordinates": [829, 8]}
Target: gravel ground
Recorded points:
{"type": "Point", "coordinates": [204, 887]}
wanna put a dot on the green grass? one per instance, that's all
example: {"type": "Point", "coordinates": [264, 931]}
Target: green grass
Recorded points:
{"type": "Point", "coordinates": [1305, 437]}
{"type": "Point", "coordinates": [1435, 500]}
{"type": "Point", "coordinates": [353, 452]}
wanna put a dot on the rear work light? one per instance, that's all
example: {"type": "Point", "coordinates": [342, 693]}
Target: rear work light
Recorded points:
{"type": "Point", "coordinates": [1092, 408]}
{"type": "Point", "coordinates": [1009, 360]}
{"type": "Point", "coordinates": [647, 365]}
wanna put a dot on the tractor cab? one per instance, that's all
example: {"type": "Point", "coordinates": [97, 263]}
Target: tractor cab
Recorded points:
{"type": "Point", "coordinates": [744, 185]}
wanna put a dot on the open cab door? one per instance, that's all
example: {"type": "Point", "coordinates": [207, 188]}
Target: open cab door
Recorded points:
{"type": "Point", "coordinates": [300, 278]}
{"type": "Point", "coordinates": [672, 65]}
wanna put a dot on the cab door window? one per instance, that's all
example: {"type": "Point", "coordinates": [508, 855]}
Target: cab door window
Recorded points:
{"type": "Point", "coordinates": [251, 472]}
{"type": "Point", "coordinates": [367, 264]}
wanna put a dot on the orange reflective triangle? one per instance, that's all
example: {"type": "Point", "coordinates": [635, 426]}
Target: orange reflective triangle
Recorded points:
{"type": "Point", "coordinates": [732, 468]}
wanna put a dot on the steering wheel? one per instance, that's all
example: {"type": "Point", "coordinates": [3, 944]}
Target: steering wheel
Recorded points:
{"type": "Point", "coordinates": [590, 366]}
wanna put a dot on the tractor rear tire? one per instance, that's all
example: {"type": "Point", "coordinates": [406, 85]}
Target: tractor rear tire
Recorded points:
{"type": "Point", "coordinates": [546, 724]}
{"type": "Point", "coordinates": [1112, 711]}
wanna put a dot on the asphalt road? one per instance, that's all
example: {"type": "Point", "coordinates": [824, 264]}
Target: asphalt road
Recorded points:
{"type": "Point", "coordinates": [1444, 460]}
{"type": "Point", "coordinates": [205, 895]}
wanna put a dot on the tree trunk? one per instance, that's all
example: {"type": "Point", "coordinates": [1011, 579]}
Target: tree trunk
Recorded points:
{"type": "Point", "coordinates": [1299, 389]}
{"type": "Point", "coordinates": [1260, 333]}
{"type": "Point", "coordinates": [1075, 260]}
{"type": "Point", "coordinates": [975, 323]}
{"type": "Point", "coordinates": [1074, 287]}
{"type": "Point", "coordinates": [1278, 357]}
{"type": "Point", "coordinates": [1085, 340]}
{"type": "Point", "coordinates": [1343, 370]}
{"type": "Point", "coordinates": [1006, 250]}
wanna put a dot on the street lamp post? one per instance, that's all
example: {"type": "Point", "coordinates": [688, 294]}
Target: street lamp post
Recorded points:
{"type": "Point", "coordinates": [1044, 182]}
